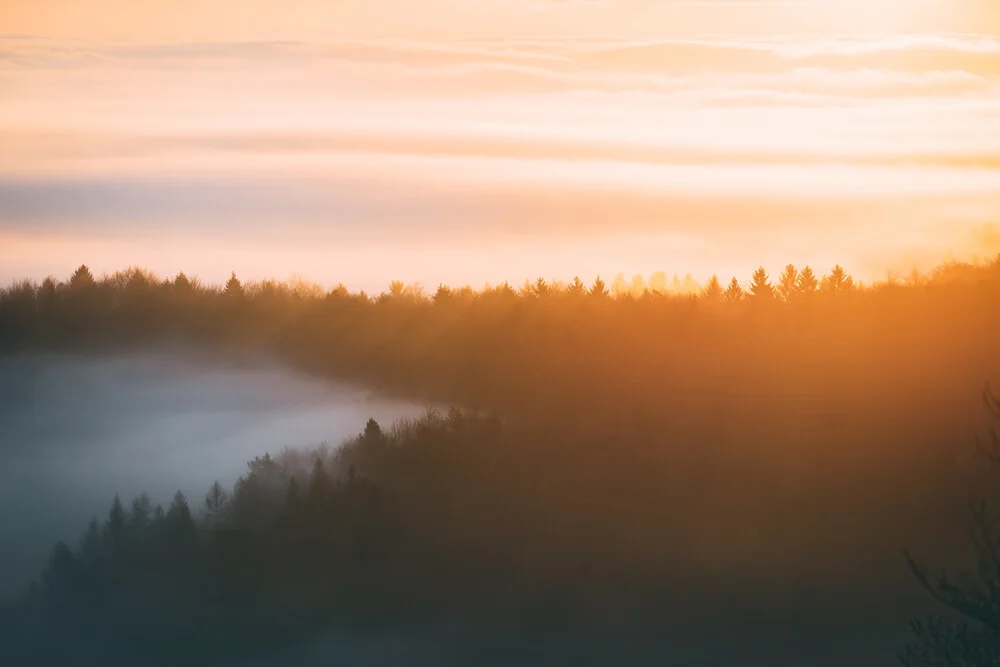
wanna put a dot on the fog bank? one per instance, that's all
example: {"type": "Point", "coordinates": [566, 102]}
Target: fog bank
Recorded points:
{"type": "Point", "coordinates": [75, 430]}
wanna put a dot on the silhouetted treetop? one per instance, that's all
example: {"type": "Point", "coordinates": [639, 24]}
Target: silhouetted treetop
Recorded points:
{"type": "Point", "coordinates": [807, 282]}
{"type": "Point", "coordinates": [234, 288]}
{"type": "Point", "coordinates": [114, 527]}
{"type": "Point", "coordinates": [179, 512]}
{"type": "Point", "coordinates": [713, 290]}
{"type": "Point", "coordinates": [598, 289]}
{"type": "Point", "coordinates": [838, 282]}
{"type": "Point", "coordinates": [142, 511]}
{"type": "Point", "coordinates": [761, 289]}
{"type": "Point", "coordinates": [734, 293]}
{"type": "Point", "coordinates": [788, 283]}
{"type": "Point", "coordinates": [216, 502]}
{"type": "Point", "coordinates": [81, 279]}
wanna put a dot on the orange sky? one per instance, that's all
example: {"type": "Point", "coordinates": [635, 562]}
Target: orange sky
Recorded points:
{"type": "Point", "coordinates": [439, 19]}
{"type": "Point", "coordinates": [473, 141]}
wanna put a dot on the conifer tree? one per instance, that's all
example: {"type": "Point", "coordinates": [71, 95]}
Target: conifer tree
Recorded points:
{"type": "Point", "coordinates": [81, 279]}
{"type": "Point", "coordinates": [838, 282]}
{"type": "Point", "coordinates": [114, 527]}
{"type": "Point", "coordinates": [90, 543]}
{"type": "Point", "coordinates": [788, 283]}
{"type": "Point", "coordinates": [713, 290]}
{"type": "Point", "coordinates": [541, 288]}
{"type": "Point", "coordinates": [599, 289]}
{"type": "Point", "coordinates": [142, 511]}
{"type": "Point", "coordinates": [179, 512]}
{"type": "Point", "coordinates": [234, 288]}
{"type": "Point", "coordinates": [761, 289]}
{"type": "Point", "coordinates": [48, 295]}
{"type": "Point", "coordinates": [734, 293]}
{"type": "Point", "coordinates": [216, 501]}
{"type": "Point", "coordinates": [807, 283]}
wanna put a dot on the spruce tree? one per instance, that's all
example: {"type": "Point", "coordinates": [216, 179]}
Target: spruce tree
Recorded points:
{"type": "Point", "coordinates": [81, 279]}
{"type": "Point", "coordinates": [234, 288]}
{"type": "Point", "coordinates": [788, 283]}
{"type": "Point", "coordinates": [761, 289]}
{"type": "Point", "coordinates": [807, 284]}
{"type": "Point", "coordinates": [734, 293]}
{"type": "Point", "coordinates": [713, 290]}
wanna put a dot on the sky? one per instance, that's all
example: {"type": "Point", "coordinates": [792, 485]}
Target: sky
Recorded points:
{"type": "Point", "coordinates": [462, 141]}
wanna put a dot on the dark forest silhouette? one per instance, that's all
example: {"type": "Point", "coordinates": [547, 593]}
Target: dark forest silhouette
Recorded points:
{"type": "Point", "coordinates": [642, 441]}
{"type": "Point", "coordinates": [971, 634]}
{"type": "Point", "coordinates": [463, 346]}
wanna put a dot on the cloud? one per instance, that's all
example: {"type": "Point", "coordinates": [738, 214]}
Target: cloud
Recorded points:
{"type": "Point", "coordinates": [722, 52]}
{"type": "Point", "coordinates": [352, 230]}
{"type": "Point", "coordinates": [362, 140]}
{"type": "Point", "coordinates": [348, 209]}
{"type": "Point", "coordinates": [149, 150]}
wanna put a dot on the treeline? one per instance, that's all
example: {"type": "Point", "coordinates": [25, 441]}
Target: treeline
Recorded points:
{"type": "Point", "coordinates": [513, 350]}
{"type": "Point", "coordinates": [489, 540]}
{"type": "Point", "coordinates": [435, 523]}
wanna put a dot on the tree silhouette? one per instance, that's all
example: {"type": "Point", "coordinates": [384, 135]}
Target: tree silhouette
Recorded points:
{"type": "Point", "coordinates": [734, 293]}
{"type": "Point", "coordinates": [179, 513]}
{"type": "Point", "coordinates": [761, 289]}
{"type": "Point", "coordinates": [599, 289]}
{"type": "Point", "coordinates": [234, 288]}
{"type": "Point", "coordinates": [90, 544]}
{"type": "Point", "coordinates": [973, 639]}
{"type": "Point", "coordinates": [713, 290]}
{"type": "Point", "coordinates": [81, 279]}
{"type": "Point", "coordinates": [807, 283]}
{"type": "Point", "coordinates": [838, 282]}
{"type": "Point", "coordinates": [182, 284]}
{"type": "Point", "coordinates": [372, 432]}
{"type": "Point", "coordinates": [442, 295]}
{"type": "Point", "coordinates": [142, 511]}
{"type": "Point", "coordinates": [114, 527]}
{"type": "Point", "coordinates": [139, 281]}
{"type": "Point", "coordinates": [320, 487]}
{"type": "Point", "coordinates": [576, 287]}
{"type": "Point", "coordinates": [788, 283]}
{"type": "Point", "coordinates": [397, 290]}
{"type": "Point", "coordinates": [216, 502]}
{"type": "Point", "coordinates": [48, 295]}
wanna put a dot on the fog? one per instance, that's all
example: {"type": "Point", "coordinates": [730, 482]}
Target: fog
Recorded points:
{"type": "Point", "coordinates": [75, 430]}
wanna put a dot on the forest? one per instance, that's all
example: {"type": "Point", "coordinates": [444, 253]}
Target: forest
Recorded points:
{"type": "Point", "coordinates": [622, 463]}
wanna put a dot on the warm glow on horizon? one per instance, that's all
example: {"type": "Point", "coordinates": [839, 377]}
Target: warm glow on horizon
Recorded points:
{"type": "Point", "coordinates": [472, 142]}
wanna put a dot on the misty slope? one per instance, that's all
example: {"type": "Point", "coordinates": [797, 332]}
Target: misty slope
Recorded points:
{"type": "Point", "coordinates": [76, 428]}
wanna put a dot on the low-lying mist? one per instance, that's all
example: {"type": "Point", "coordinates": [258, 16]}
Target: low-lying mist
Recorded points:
{"type": "Point", "coordinates": [75, 430]}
